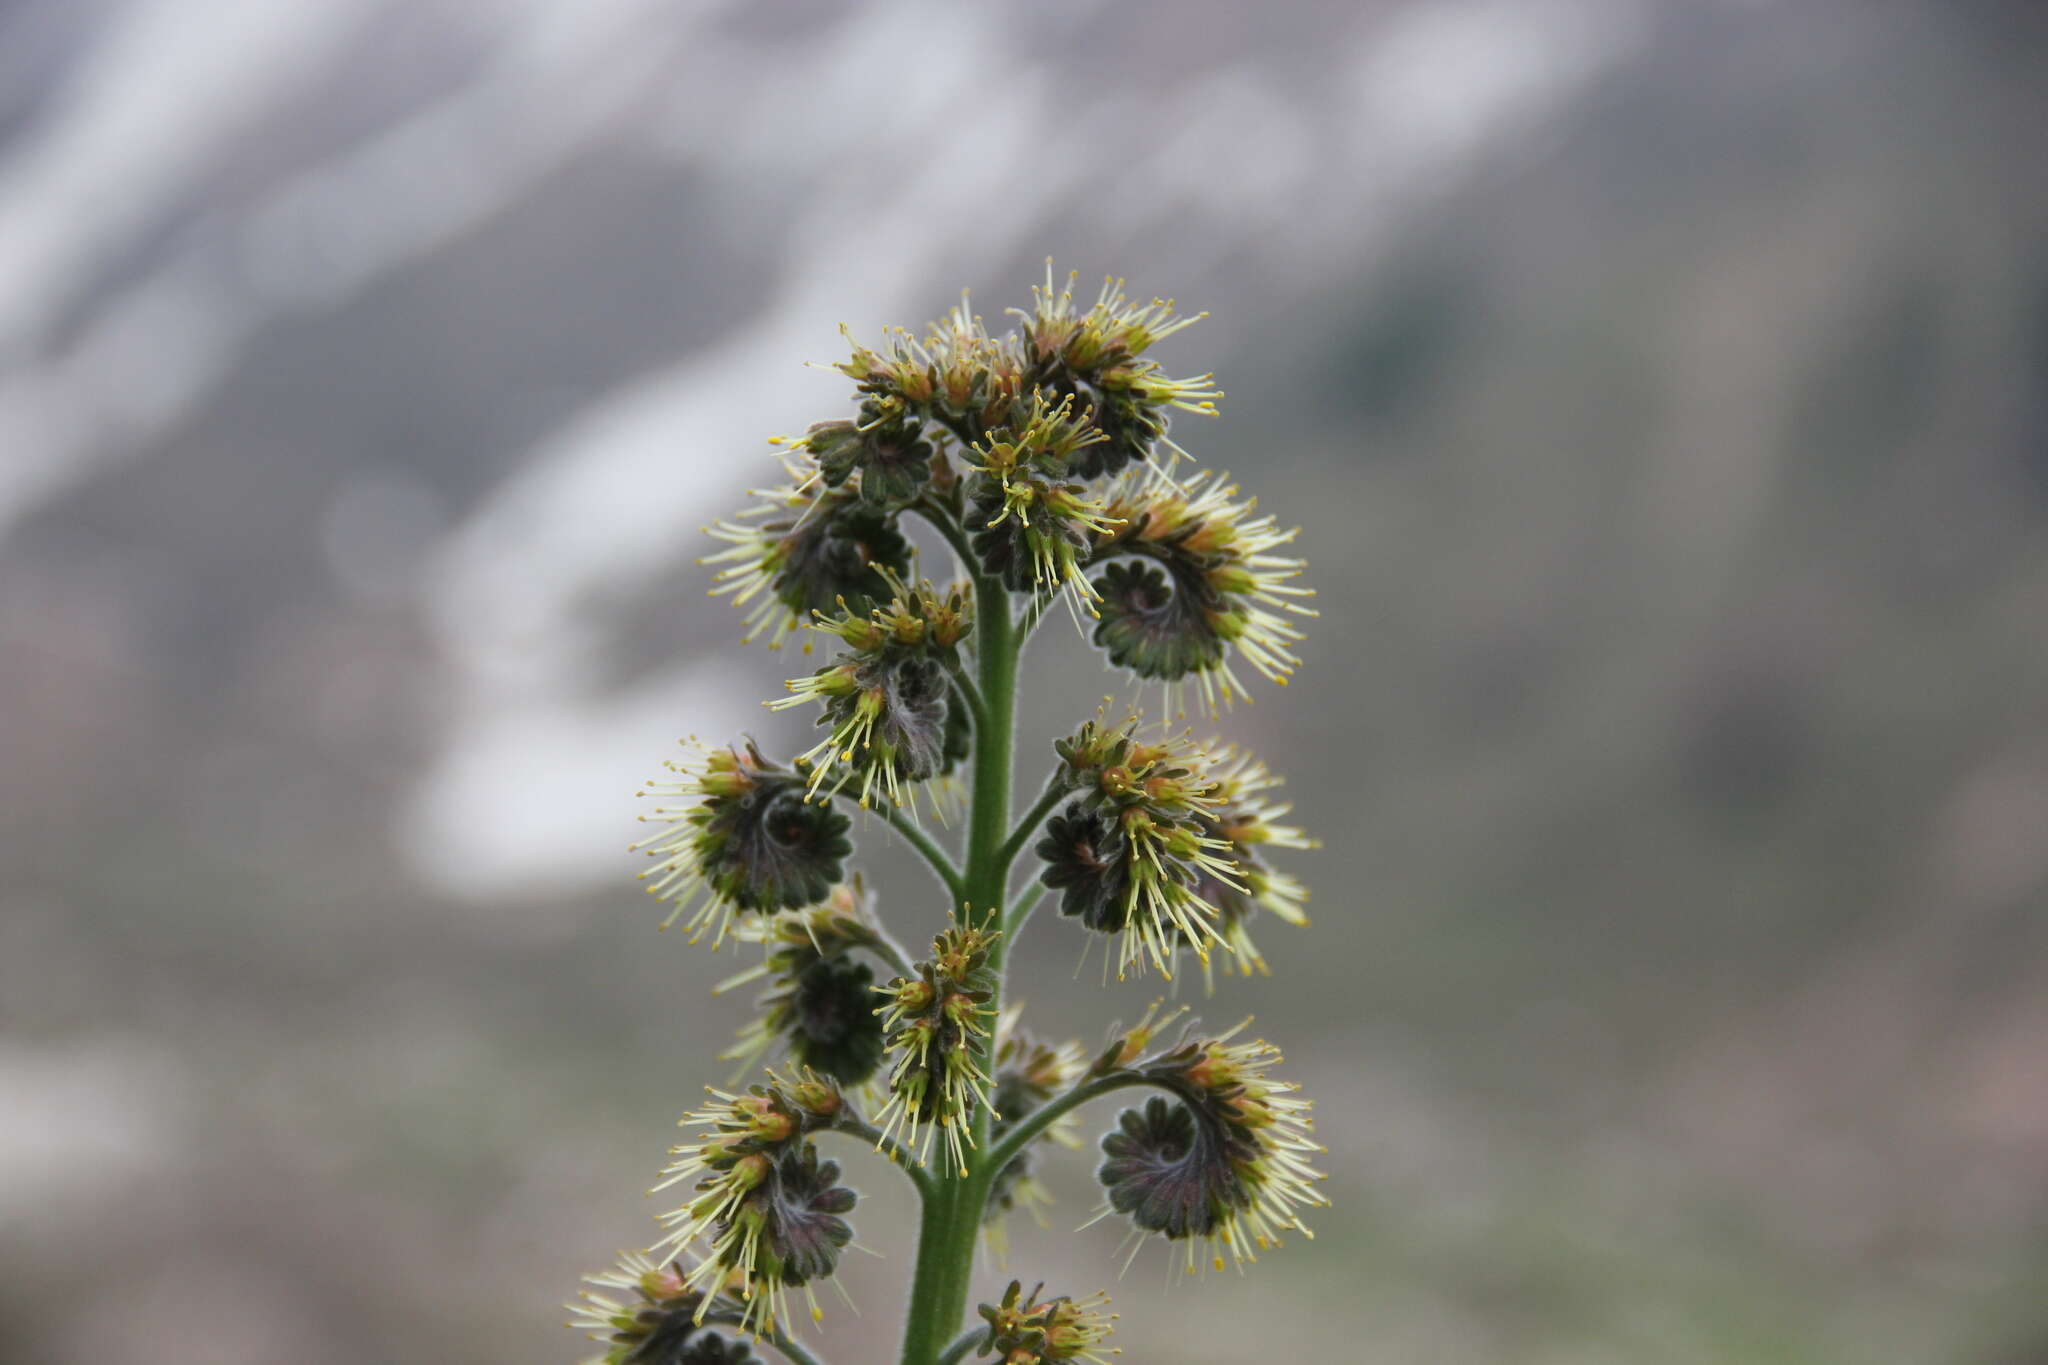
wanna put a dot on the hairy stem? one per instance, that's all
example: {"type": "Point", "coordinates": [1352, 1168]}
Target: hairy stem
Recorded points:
{"type": "Point", "coordinates": [890, 951]}
{"type": "Point", "coordinates": [1020, 911]}
{"type": "Point", "coordinates": [951, 1219]}
{"type": "Point", "coordinates": [950, 530]}
{"type": "Point", "coordinates": [899, 1156]}
{"type": "Point", "coordinates": [775, 1336]}
{"type": "Point", "coordinates": [962, 1344]}
{"type": "Point", "coordinates": [934, 856]}
{"type": "Point", "coordinates": [1055, 791]}
{"type": "Point", "coordinates": [1042, 1118]}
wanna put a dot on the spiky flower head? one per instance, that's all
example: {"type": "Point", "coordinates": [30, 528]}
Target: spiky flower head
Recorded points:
{"type": "Point", "coordinates": [1225, 1161]}
{"type": "Point", "coordinates": [767, 1211]}
{"type": "Point", "coordinates": [936, 1019]}
{"type": "Point", "coordinates": [1028, 1072]}
{"type": "Point", "coordinates": [646, 1314]}
{"type": "Point", "coordinates": [1097, 357]}
{"type": "Point", "coordinates": [1026, 1330]}
{"type": "Point", "coordinates": [738, 835]}
{"type": "Point", "coordinates": [804, 549]}
{"type": "Point", "coordinates": [1196, 582]}
{"type": "Point", "coordinates": [820, 1002]}
{"type": "Point", "coordinates": [1033, 524]}
{"type": "Point", "coordinates": [888, 697]}
{"type": "Point", "coordinates": [1131, 852]}
{"type": "Point", "coordinates": [884, 454]}
{"type": "Point", "coordinates": [958, 375]}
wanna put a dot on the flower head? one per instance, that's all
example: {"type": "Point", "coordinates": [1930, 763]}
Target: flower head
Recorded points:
{"type": "Point", "coordinates": [655, 1318]}
{"type": "Point", "coordinates": [767, 1210]}
{"type": "Point", "coordinates": [742, 838]}
{"type": "Point", "coordinates": [936, 1020]}
{"type": "Point", "coordinates": [1130, 854]}
{"type": "Point", "coordinates": [803, 550]}
{"type": "Point", "coordinates": [1026, 1330]}
{"type": "Point", "coordinates": [957, 374]}
{"type": "Point", "coordinates": [820, 1004]}
{"type": "Point", "coordinates": [1206, 585]}
{"type": "Point", "coordinates": [1097, 358]}
{"type": "Point", "coordinates": [888, 698]}
{"type": "Point", "coordinates": [1225, 1161]}
{"type": "Point", "coordinates": [885, 453]}
{"type": "Point", "coordinates": [1033, 524]}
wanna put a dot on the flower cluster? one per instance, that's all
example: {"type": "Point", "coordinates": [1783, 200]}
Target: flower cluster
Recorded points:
{"type": "Point", "coordinates": [958, 375]}
{"type": "Point", "coordinates": [1059, 426]}
{"type": "Point", "coordinates": [886, 448]}
{"type": "Point", "coordinates": [820, 1003]}
{"type": "Point", "coordinates": [739, 835]}
{"type": "Point", "coordinates": [1225, 1161]}
{"type": "Point", "coordinates": [767, 1211]}
{"type": "Point", "coordinates": [805, 549]}
{"type": "Point", "coordinates": [1026, 1330]}
{"type": "Point", "coordinates": [971, 383]}
{"type": "Point", "coordinates": [1033, 526]}
{"type": "Point", "coordinates": [936, 1020]}
{"type": "Point", "coordinates": [657, 1320]}
{"type": "Point", "coordinates": [1098, 356]}
{"type": "Point", "coordinates": [1163, 845]}
{"type": "Point", "coordinates": [888, 698]}
{"type": "Point", "coordinates": [1201, 582]}
{"type": "Point", "coordinates": [1043, 460]}
{"type": "Point", "coordinates": [1028, 1072]}
{"type": "Point", "coordinates": [1131, 851]}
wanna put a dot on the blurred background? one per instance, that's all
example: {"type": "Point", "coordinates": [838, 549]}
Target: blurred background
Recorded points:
{"type": "Point", "coordinates": [1661, 385]}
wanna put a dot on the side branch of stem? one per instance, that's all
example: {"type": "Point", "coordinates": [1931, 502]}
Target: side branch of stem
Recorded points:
{"type": "Point", "coordinates": [1042, 1118]}
{"type": "Point", "coordinates": [962, 1344]}
{"type": "Point", "coordinates": [934, 856]}
{"type": "Point", "coordinates": [1055, 791]}
{"type": "Point", "coordinates": [899, 1155]}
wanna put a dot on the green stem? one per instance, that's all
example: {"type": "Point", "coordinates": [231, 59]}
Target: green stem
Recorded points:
{"type": "Point", "coordinates": [890, 951]}
{"type": "Point", "coordinates": [950, 530]}
{"type": "Point", "coordinates": [775, 1337]}
{"type": "Point", "coordinates": [1041, 1118]}
{"type": "Point", "coordinates": [1033, 614]}
{"type": "Point", "coordinates": [933, 855]}
{"type": "Point", "coordinates": [969, 693]}
{"type": "Point", "coordinates": [797, 1355]}
{"type": "Point", "coordinates": [962, 1344]}
{"type": "Point", "coordinates": [951, 1218]}
{"type": "Point", "coordinates": [1027, 901]}
{"type": "Point", "coordinates": [1055, 791]}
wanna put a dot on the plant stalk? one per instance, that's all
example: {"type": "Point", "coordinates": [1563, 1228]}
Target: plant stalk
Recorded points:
{"type": "Point", "coordinates": [953, 1204]}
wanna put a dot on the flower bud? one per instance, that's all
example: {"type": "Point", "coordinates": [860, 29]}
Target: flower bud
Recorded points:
{"type": "Point", "coordinates": [1225, 1160]}
{"type": "Point", "coordinates": [654, 1318]}
{"type": "Point", "coordinates": [807, 549]}
{"type": "Point", "coordinates": [1213, 587]}
{"type": "Point", "coordinates": [1026, 1330]}
{"type": "Point", "coordinates": [767, 1209]}
{"type": "Point", "coordinates": [885, 452]}
{"type": "Point", "coordinates": [745, 841]}
{"type": "Point", "coordinates": [888, 701]}
{"type": "Point", "coordinates": [936, 1020]}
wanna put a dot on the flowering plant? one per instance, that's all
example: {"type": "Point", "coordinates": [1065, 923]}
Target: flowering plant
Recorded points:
{"type": "Point", "coordinates": [1043, 459]}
